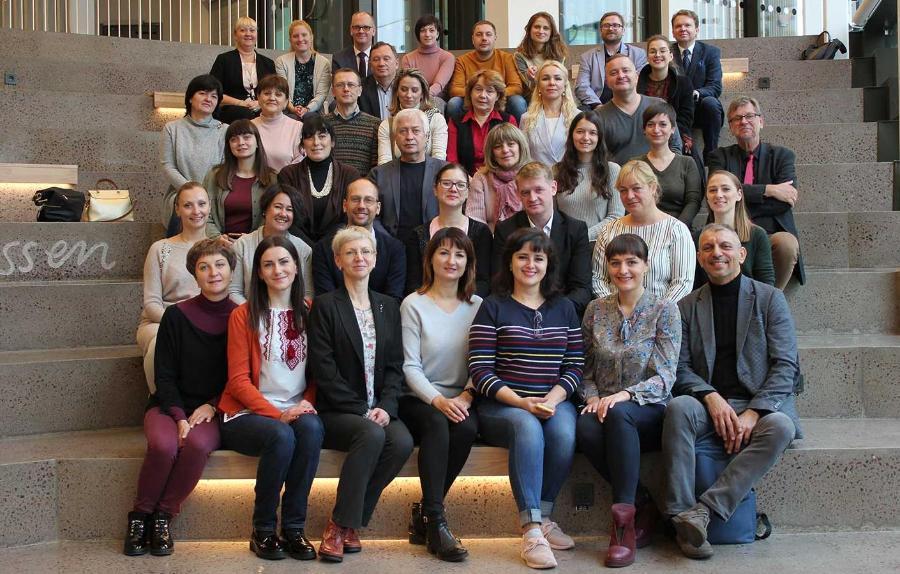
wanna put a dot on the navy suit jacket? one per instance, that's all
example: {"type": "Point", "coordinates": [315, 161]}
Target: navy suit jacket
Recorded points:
{"type": "Point", "coordinates": [346, 58]}
{"type": "Point", "coordinates": [705, 70]}
{"type": "Point", "coordinates": [368, 99]}
{"type": "Point", "coordinates": [388, 277]}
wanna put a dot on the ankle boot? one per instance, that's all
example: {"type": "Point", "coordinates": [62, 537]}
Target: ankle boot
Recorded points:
{"type": "Point", "coordinates": [621, 537]}
{"type": "Point", "coordinates": [646, 519]}
{"type": "Point", "coordinates": [332, 547]}
{"type": "Point", "coordinates": [137, 534]}
{"type": "Point", "coordinates": [416, 524]}
{"type": "Point", "coordinates": [161, 542]}
{"type": "Point", "coordinates": [441, 541]}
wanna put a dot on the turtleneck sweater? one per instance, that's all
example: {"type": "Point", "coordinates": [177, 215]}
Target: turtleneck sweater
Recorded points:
{"type": "Point", "coordinates": [435, 64]}
{"type": "Point", "coordinates": [281, 140]}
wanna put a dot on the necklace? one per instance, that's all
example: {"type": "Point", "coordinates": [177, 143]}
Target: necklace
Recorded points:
{"type": "Point", "coordinates": [326, 187]}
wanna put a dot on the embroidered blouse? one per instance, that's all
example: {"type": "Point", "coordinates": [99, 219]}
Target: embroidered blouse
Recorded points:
{"type": "Point", "coordinates": [282, 377]}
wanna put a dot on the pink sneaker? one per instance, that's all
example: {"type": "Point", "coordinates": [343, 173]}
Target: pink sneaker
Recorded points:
{"type": "Point", "coordinates": [537, 554]}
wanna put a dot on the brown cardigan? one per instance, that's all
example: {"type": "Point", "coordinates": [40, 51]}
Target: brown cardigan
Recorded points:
{"type": "Point", "coordinates": [305, 226]}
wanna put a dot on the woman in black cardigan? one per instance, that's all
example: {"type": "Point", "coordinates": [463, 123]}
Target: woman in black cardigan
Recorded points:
{"type": "Point", "coordinates": [356, 356]}
{"type": "Point", "coordinates": [661, 80]}
{"type": "Point", "coordinates": [240, 71]}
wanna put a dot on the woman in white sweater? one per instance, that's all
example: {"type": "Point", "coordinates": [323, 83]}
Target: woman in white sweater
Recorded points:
{"type": "Point", "coordinates": [411, 91]}
{"type": "Point", "coordinates": [437, 403]}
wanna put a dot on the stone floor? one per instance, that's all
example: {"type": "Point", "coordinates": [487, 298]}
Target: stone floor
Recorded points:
{"type": "Point", "coordinates": [845, 553]}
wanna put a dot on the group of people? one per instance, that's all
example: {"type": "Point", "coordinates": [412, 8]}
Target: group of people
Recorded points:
{"type": "Point", "coordinates": [402, 271]}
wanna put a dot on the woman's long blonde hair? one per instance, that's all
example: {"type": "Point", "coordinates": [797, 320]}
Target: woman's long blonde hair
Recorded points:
{"type": "Point", "coordinates": [536, 108]}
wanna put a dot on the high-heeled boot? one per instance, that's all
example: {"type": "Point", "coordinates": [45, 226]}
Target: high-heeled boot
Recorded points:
{"type": "Point", "coordinates": [416, 524]}
{"type": "Point", "coordinates": [441, 541]}
{"type": "Point", "coordinates": [621, 537]}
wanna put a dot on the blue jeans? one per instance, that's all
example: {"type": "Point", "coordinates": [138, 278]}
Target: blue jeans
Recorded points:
{"type": "Point", "coordinates": [288, 455]}
{"type": "Point", "coordinates": [515, 105]}
{"type": "Point", "coordinates": [540, 452]}
{"type": "Point", "coordinates": [454, 109]}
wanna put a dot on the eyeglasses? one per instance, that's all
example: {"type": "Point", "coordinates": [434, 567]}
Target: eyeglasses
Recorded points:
{"type": "Point", "coordinates": [611, 26]}
{"type": "Point", "coordinates": [361, 28]}
{"type": "Point", "coordinates": [448, 184]}
{"type": "Point", "coordinates": [342, 85]}
{"type": "Point", "coordinates": [538, 325]}
{"type": "Point", "coordinates": [368, 201]}
{"type": "Point", "coordinates": [660, 51]}
{"type": "Point", "coordinates": [747, 117]}
{"type": "Point", "coordinates": [365, 252]}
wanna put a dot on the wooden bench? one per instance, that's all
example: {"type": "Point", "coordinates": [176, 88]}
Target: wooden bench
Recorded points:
{"type": "Point", "coordinates": [38, 173]}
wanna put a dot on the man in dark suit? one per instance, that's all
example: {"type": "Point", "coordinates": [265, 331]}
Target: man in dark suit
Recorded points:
{"type": "Point", "coordinates": [362, 30]}
{"type": "Point", "coordinates": [378, 88]}
{"type": "Point", "coordinates": [769, 177]}
{"type": "Point", "coordinates": [735, 383]}
{"type": "Point", "coordinates": [537, 187]}
{"type": "Point", "coordinates": [362, 207]}
{"type": "Point", "coordinates": [702, 63]}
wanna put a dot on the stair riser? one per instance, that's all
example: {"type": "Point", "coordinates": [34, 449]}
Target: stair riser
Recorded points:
{"type": "Point", "coordinates": [845, 187]}
{"type": "Point", "coordinates": [788, 107]}
{"type": "Point", "coordinates": [29, 503]}
{"type": "Point", "coordinates": [845, 302]}
{"type": "Point", "coordinates": [849, 382]}
{"type": "Point", "coordinates": [842, 240]}
{"type": "Point", "coordinates": [83, 111]}
{"type": "Point", "coordinates": [787, 75]}
{"type": "Point", "coordinates": [90, 150]}
{"type": "Point", "coordinates": [824, 143]}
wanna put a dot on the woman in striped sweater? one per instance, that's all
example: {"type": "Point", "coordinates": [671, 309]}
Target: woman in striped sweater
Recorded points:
{"type": "Point", "coordinates": [525, 358]}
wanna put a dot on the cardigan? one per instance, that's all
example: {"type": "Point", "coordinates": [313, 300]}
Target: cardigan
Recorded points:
{"type": "Point", "coordinates": [284, 67]}
{"type": "Point", "coordinates": [482, 241]}
{"type": "Point", "coordinates": [166, 279]}
{"type": "Point", "coordinates": [216, 221]}
{"type": "Point", "coordinates": [461, 138]}
{"type": "Point", "coordinates": [244, 250]}
{"type": "Point", "coordinates": [227, 69]}
{"type": "Point", "coordinates": [305, 224]}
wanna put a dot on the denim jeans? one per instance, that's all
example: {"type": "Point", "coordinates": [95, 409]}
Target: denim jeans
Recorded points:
{"type": "Point", "coordinates": [288, 455]}
{"type": "Point", "coordinates": [540, 452]}
{"type": "Point", "coordinates": [515, 106]}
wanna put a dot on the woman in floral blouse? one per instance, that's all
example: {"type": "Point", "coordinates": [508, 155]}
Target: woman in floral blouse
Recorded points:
{"type": "Point", "coordinates": [631, 345]}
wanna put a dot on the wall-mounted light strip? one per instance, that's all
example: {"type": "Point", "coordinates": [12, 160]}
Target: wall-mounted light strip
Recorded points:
{"type": "Point", "coordinates": [735, 65]}
{"type": "Point", "coordinates": [38, 174]}
{"type": "Point", "coordinates": [168, 100]}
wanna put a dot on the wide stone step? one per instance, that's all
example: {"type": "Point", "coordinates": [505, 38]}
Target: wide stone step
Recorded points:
{"type": "Point", "coordinates": [60, 478]}
{"type": "Point", "coordinates": [777, 48]}
{"type": "Point", "coordinates": [63, 314]}
{"type": "Point", "coordinates": [840, 240]}
{"type": "Point", "coordinates": [57, 390]}
{"type": "Point", "coordinates": [97, 149]}
{"type": "Point", "coordinates": [66, 251]}
{"type": "Point", "coordinates": [805, 105]}
{"type": "Point", "coordinates": [856, 301]}
{"type": "Point", "coordinates": [822, 143]}
{"type": "Point", "coordinates": [132, 111]}
{"type": "Point", "coordinates": [838, 187]}
{"type": "Point", "coordinates": [788, 75]}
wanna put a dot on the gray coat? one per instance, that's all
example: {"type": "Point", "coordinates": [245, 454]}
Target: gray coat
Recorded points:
{"type": "Point", "coordinates": [387, 178]}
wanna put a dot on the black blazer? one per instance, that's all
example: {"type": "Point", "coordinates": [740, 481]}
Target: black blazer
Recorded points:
{"type": "Point", "coordinates": [336, 354]}
{"type": "Point", "coordinates": [227, 68]}
{"type": "Point", "coordinates": [573, 253]}
{"type": "Point", "coordinates": [368, 99]}
{"type": "Point", "coordinates": [776, 164]}
{"type": "Point", "coordinates": [680, 97]}
{"type": "Point", "coordinates": [388, 277]}
{"type": "Point", "coordinates": [346, 58]}
{"type": "Point", "coordinates": [705, 71]}
{"type": "Point", "coordinates": [482, 241]}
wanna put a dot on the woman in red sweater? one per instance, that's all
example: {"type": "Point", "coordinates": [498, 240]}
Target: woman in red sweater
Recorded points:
{"type": "Point", "coordinates": [267, 404]}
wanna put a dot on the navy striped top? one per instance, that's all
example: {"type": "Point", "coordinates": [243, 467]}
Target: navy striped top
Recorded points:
{"type": "Point", "coordinates": [529, 351]}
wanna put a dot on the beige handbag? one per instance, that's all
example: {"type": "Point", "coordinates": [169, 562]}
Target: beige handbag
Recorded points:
{"type": "Point", "coordinates": [108, 204]}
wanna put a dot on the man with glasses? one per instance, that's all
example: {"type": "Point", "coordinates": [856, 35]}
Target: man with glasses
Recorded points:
{"type": "Point", "coordinates": [361, 207]}
{"type": "Point", "coordinates": [362, 30]}
{"type": "Point", "coordinates": [537, 187]}
{"type": "Point", "coordinates": [356, 141]}
{"type": "Point", "coordinates": [768, 174]}
{"type": "Point", "coordinates": [702, 63]}
{"type": "Point", "coordinates": [591, 89]}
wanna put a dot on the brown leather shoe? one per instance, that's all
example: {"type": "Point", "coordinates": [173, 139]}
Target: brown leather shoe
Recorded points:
{"type": "Point", "coordinates": [621, 537]}
{"type": "Point", "coordinates": [352, 543]}
{"type": "Point", "coordinates": [332, 547]}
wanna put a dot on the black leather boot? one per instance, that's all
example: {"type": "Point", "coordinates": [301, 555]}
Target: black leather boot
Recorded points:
{"type": "Point", "coordinates": [161, 541]}
{"type": "Point", "coordinates": [137, 534]}
{"type": "Point", "coordinates": [267, 545]}
{"type": "Point", "coordinates": [416, 524]}
{"type": "Point", "coordinates": [441, 541]}
{"type": "Point", "coordinates": [298, 545]}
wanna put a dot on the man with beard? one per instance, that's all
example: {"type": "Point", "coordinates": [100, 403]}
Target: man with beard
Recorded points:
{"type": "Point", "coordinates": [591, 88]}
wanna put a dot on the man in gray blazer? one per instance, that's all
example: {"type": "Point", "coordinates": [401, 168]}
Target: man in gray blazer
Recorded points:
{"type": "Point", "coordinates": [407, 182]}
{"type": "Point", "coordinates": [591, 88]}
{"type": "Point", "coordinates": [736, 379]}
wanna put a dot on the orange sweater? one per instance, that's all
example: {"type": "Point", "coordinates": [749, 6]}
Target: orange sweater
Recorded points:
{"type": "Point", "coordinates": [242, 389]}
{"type": "Point", "coordinates": [467, 64]}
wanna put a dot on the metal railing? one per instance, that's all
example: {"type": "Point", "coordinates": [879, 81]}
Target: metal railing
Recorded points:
{"type": "Point", "coordinates": [192, 21]}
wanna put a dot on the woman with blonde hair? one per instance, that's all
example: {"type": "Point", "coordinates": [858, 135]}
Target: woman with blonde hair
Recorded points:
{"type": "Point", "coordinates": [552, 109]}
{"type": "Point", "coordinates": [493, 196]}
{"type": "Point", "coordinates": [240, 71]}
{"type": "Point", "coordinates": [308, 73]}
{"type": "Point", "coordinates": [542, 42]}
{"type": "Point", "coordinates": [411, 91]}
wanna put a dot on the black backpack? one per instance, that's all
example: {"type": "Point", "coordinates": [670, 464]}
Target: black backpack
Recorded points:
{"type": "Point", "coordinates": [824, 49]}
{"type": "Point", "coordinates": [59, 204]}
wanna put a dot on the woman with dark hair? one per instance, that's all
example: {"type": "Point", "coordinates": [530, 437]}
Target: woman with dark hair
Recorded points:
{"type": "Point", "coordinates": [437, 404]}
{"type": "Point", "coordinates": [277, 206]}
{"type": "Point", "coordinates": [660, 79]}
{"type": "Point", "coordinates": [585, 176]}
{"type": "Point", "coordinates": [411, 92]}
{"type": "Point", "coordinates": [680, 183]}
{"type": "Point", "coordinates": [307, 72]}
{"type": "Point", "coordinates": [451, 188]}
{"type": "Point", "coordinates": [193, 144]}
{"type": "Point", "coordinates": [357, 361]}
{"type": "Point", "coordinates": [493, 195]}
{"type": "Point", "coordinates": [240, 71]}
{"type": "Point", "coordinates": [236, 185]}
{"type": "Point", "coordinates": [280, 134]}
{"type": "Point", "coordinates": [320, 180]}
{"type": "Point", "coordinates": [631, 346]}
{"type": "Point", "coordinates": [524, 405]}
{"type": "Point", "coordinates": [191, 370]}
{"type": "Point", "coordinates": [435, 63]}
{"type": "Point", "coordinates": [267, 406]}
{"type": "Point", "coordinates": [542, 42]}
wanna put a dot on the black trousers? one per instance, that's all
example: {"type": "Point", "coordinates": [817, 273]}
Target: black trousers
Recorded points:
{"type": "Point", "coordinates": [375, 455]}
{"type": "Point", "coordinates": [444, 447]}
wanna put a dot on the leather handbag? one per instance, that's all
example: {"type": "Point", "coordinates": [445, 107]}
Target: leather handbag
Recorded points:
{"type": "Point", "coordinates": [59, 204]}
{"type": "Point", "coordinates": [111, 204]}
{"type": "Point", "coordinates": [824, 49]}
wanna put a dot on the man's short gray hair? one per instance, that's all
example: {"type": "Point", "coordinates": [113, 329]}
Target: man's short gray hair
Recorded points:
{"type": "Point", "coordinates": [410, 113]}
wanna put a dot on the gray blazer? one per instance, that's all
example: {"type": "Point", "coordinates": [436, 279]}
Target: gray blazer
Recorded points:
{"type": "Point", "coordinates": [387, 178]}
{"type": "Point", "coordinates": [592, 71]}
{"type": "Point", "coordinates": [767, 362]}
{"type": "Point", "coordinates": [284, 67]}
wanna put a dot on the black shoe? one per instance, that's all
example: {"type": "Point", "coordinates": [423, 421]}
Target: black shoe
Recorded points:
{"type": "Point", "coordinates": [298, 545]}
{"type": "Point", "coordinates": [416, 524]}
{"type": "Point", "coordinates": [441, 541]}
{"type": "Point", "coordinates": [137, 535]}
{"type": "Point", "coordinates": [267, 545]}
{"type": "Point", "coordinates": [161, 542]}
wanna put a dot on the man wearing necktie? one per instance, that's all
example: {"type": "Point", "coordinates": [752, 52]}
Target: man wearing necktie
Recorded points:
{"type": "Point", "coordinates": [356, 56]}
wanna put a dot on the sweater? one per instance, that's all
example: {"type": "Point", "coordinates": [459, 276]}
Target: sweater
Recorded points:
{"type": "Point", "coordinates": [584, 204]}
{"type": "Point", "coordinates": [245, 248]}
{"type": "Point", "coordinates": [493, 197]}
{"type": "Point", "coordinates": [281, 140]}
{"type": "Point", "coordinates": [434, 63]}
{"type": "Point", "coordinates": [188, 150]}
{"type": "Point", "coordinates": [355, 142]}
{"type": "Point", "coordinates": [435, 346]}
{"type": "Point", "coordinates": [624, 134]}
{"type": "Point", "coordinates": [435, 143]}
{"type": "Point", "coordinates": [166, 278]}
{"type": "Point", "coordinates": [215, 225]}
{"type": "Point", "coordinates": [679, 186]}
{"type": "Point", "coordinates": [500, 61]}
{"type": "Point", "coordinates": [528, 350]}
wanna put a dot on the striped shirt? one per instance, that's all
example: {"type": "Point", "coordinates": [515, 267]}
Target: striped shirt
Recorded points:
{"type": "Point", "coordinates": [528, 350]}
{"type": "Point", "coordinates": [672, 258]}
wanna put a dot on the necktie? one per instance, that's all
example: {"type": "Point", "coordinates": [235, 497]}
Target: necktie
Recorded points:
{"type": "Point", "coordinates": [362, 65]}
{"type": "Point", "coordinates": [686, 60]}
{"type": "Point", "coordinates": [748, 172]}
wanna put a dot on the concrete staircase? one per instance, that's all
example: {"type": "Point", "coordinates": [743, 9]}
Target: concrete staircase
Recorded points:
{"type": "Point", "coordinates": [71, 383]}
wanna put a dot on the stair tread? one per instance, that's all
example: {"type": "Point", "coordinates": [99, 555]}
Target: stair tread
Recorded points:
{"type": "Point", "coordinates": [69, 354]}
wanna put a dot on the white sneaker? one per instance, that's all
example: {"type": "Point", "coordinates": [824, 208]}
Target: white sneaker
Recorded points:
{"type": "Point", "coordinates": [537, 554]}
{"type": "Point", "coordinates": [558, 539]}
